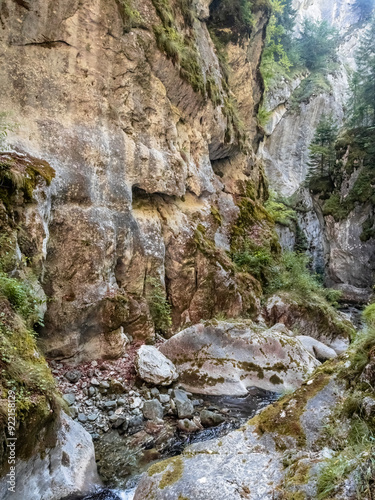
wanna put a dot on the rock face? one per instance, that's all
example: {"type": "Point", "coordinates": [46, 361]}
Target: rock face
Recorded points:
{"type": "Point", "coordinates": [133, 146]}
{"type": "Point", "coordinates": [67, 468]}
{"type": "Point", "coordinates": [310, 319]}
{"type": "Point", "coordinates": [152, 366]}
{"type": "Point", "coordinates": [227, 358]}
{"type": "Point", "coordinates": [251, 462]}
{"type": "Point", "coordinates": [336, 247]}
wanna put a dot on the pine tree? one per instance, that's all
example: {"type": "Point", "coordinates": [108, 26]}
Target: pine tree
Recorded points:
{"type": "Point", "coordinates": [362, 104]}
{"type": "Point", "coordinates": [322, 153]}
{"type": "Point", "coordinates": [317, 44]}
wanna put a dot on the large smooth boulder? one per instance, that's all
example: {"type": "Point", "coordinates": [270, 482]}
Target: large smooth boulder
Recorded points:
{"type": "Point", "coordinates": [227, 358]}
{"type": "Point", "coordinates": [69, 467]}
{"type": "Point", "coordinates": [153, 367]}
{"type": "Point", "coordinates": [317, 349]}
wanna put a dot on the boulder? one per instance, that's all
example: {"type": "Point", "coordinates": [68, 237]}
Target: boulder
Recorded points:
{"type": "Point", "coordinates": [153, 367]}
{"type": "Point", "coordinates": [211, 418]}
{"type": "Point", "coordinates": [187, 425]}
{"type": "Point", "coordinates": [227, 358]}
{"type": "Point", "coordinates": [317, 349]}
{"type": "Point", "coordinates": [65, 469]}
{"type": "Point", "coordinates": [152, 409]}
{"type": "Point", "coordinates": [183, 404]}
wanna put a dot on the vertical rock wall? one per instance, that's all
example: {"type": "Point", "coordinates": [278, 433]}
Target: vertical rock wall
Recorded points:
{"type": "Point", "coordinates": [134, 148]}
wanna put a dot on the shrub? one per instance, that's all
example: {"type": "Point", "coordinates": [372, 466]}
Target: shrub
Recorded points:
{"type": "Point", "coordinates": [369, 315]}
{"type": "Point", "coordinates": [254, 260]}
{"type": "Point", "coordinates": [130, 16]}
{"type": "Point", "coordinates": [160, 309]}
{"type": "Point", "coordinates": [20, 296]}
{"type": "Point", "coordinates": [279, 211]}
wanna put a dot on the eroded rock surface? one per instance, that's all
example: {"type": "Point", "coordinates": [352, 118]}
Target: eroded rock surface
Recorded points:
{"type": "Point", "coordinates": [251, 462]}
{"type": "Point", "coordinates": [227, 358]}
{"type": "Point", "coordinates": [69, 467]}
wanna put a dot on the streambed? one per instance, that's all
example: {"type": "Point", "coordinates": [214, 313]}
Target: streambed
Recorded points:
{"type": "Point", "coordinates": [138, 454]}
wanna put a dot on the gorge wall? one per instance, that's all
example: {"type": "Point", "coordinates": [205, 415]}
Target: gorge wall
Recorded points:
{"type": "Point", "coordinates": [336, 246]}
{"type": "Point", "coordinates": [133, 181]}
{"type": "Point", "coordinates": [145, 150]}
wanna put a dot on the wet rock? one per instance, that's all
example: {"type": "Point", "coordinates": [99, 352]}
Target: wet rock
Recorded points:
{"type": "Point", "coordinates": [69, 399]}
{"type": "Point", "coordinates": [183, 404]}
{"type": "Point", "coordinates": [153, 367]}
{"type": "Point", "coordinates": [73, 376]}
{"type": "Point", "coordinates": [227, 358]}
{"type": "Point", "coordinates": [152, 410]}
{"type": "Point", "coordinates": [210, 418]}
{"type": "Point", "coordinates": [317, 349]}
{"type": "Point", "coordinates": [187, 425]}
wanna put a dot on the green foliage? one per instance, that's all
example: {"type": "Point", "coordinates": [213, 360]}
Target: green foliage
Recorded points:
{"type": "Point", "coordinates": [322, 151]}
{"type": "Point", "coordinates": [160, 308]}
{"type": "Point", "coordinates": [275, 59]}
{"type": "Point", "coordinates": [231, 21]}
{"type": "Point", "coordinates": [279, 211]}
{"type": "Point", "coordinates": [170, 41]}
{"type": "Point", "coordinates": [178, 47]}
{"type": "Point", "coordinates": [20, 296]}
{"type": "Point", "coordinates": [369, 315]}
{"type": "Point", "coordinates": [315, 84]}
{"type": "Point", "coordinates": [317, 43]}
{"type": "Point", "coordinates": [263, 116]}
{"type": "Point", "coordinates": [350, 432]}
{"type": "Point", "coordinates": [368, 229]}
{"type": "Point", "coordinates": [362, 99]}
{"type": "Point", "coordinates": [355, 150]}
{"type": "Point", "coordinates": [290, 273]}
{"type": "Point", "coordinates": [254, 259]}
{"type": "Point", "coordinates": [130, 15]}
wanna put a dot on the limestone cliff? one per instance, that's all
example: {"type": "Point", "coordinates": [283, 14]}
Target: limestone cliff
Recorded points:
{"type": "Point", "coordinates": [149, 139]}
{"type": "Point", "coordinates": [335, 246]}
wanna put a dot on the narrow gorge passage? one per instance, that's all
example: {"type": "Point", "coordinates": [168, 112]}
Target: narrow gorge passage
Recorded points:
{"type": "Point", "coordinates": [187, 243]}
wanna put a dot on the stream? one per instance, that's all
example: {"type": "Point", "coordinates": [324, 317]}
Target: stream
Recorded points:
{"type": "Point", "coordinates": [237, 411]}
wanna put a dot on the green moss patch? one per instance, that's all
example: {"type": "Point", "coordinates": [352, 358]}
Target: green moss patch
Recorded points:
{"type": "Point", "coordinates": [172, 470]}
{"type": "Point", "coordinates": [283, 417]}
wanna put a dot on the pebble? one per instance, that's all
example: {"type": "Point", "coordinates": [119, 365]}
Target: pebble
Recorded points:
{"type": "Point", "coordinates": [82, 417]}
{"type": "Point", "coordinates": [73, 376]}
{"type": "Point", "coordinates": [69, 399]}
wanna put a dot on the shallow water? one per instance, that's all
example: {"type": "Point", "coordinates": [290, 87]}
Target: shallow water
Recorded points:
{"type": "Point", "coordinates": [237, 409]}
